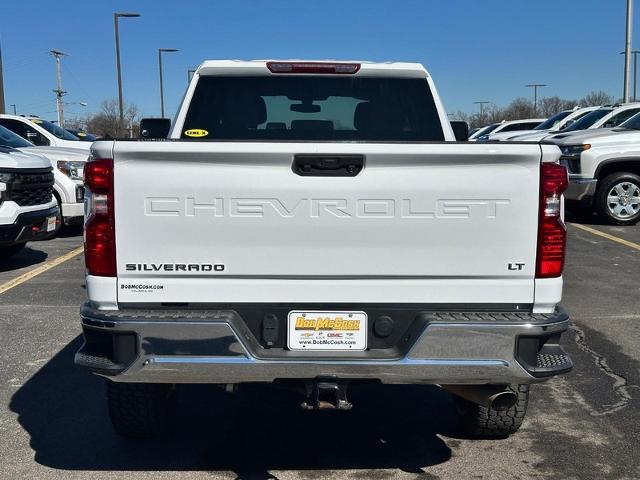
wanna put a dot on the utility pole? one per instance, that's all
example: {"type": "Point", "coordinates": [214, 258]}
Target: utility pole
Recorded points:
{"type": "Point", "coordinates": [535, 95]}
{"type": "Point", "coordinates": [160, 52]}
{"type": "Point", "coordinates": [116, 16]}
{"type": "Point", "coordinates": [1, 84]}
{"type": "Point", "coordinates": [627, 51]}
{"type": "Point", "coordinates": [58, 90]}
{"type": "Point", "coordinates": [482, 104]}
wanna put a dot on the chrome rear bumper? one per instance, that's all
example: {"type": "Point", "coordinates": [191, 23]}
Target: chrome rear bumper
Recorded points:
{"type": "Point", "coordinates": [214, 346]}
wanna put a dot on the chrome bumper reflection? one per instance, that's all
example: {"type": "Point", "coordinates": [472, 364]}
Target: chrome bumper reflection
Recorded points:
{"type": "Point", "coordinates": [580, 189]}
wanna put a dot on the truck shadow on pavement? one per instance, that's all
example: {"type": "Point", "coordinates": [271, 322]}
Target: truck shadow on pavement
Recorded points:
{"type": "Point", "coordinates": [250, 433]}
{"type": "Point", "coordinates": [25, 258]}
{"type": "Point", "coordinates": [584, 217]}
{"type": "Point", "coordinates": [70, 231]}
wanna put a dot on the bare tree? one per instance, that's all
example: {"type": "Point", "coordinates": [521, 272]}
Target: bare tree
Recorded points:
{"type": "Point", "coordinates": [491, 113]}
{"type": "Point", "coordinates": [596, 98]}
{"type": "Point", "coordinates": [131, 117]}
{"type": "Point", "coordinates": [551, 105]}
{"type": "Point", "coordinates": [523, 108]}
{"type": "Point", "coordinates": [519, 108]}
{"type": "Point", "coordinates": [106, 123]}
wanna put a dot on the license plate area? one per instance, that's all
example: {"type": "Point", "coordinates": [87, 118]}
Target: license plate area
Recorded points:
{"type": "Point", "coordinates": [327, 331]}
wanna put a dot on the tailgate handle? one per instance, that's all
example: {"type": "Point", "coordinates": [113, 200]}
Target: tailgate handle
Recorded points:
{"type": "Point", "coordinates": [327, 165]}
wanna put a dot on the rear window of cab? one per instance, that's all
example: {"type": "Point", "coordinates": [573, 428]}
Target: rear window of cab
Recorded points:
{"type": "Point", "coordinates": [312, 108]}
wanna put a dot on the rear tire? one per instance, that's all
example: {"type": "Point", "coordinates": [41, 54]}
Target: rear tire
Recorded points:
{"type": "Point", "coordinates": [482, 422]}
{"type": "Point", "coordinates": [11, 250]}
{"type": "Point", "coordinates": [615, 198]}
{"type": "Point", "coordinates": [140, 410]}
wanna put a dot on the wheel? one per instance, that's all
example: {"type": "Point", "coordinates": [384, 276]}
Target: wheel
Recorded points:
{"type": "Point", "coordinates": [618, 198]}
{"type": "Point", "coordinates": [482, 422]}
{"type": "Point", "coordinates": [140, 410]}
{"type": "Point", "coordinates": [6, 252]}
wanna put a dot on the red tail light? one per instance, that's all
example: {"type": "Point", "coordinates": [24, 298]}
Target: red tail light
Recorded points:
{"type": "Point", "coordinates": [552, 234]}
{"type": "Point", "coordinates": [99, 230]}
{"type": "Point", "coordinates": [313, 67]}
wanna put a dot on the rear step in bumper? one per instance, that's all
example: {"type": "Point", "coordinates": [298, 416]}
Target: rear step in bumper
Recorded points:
{"type": "Point", "coordinates": [214, 346]}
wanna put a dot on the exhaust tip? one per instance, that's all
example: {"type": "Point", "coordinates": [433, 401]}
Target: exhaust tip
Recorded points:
{"type": "Point", "coordinates": [504, 401]}
{"type": "Point", "coordinates": [489, 396]}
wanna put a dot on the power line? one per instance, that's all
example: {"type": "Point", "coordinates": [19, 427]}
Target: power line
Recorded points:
{"type": "Point", "coordinates": [24, 62]}
{"type": "Point", "coordinates": [74, 79]}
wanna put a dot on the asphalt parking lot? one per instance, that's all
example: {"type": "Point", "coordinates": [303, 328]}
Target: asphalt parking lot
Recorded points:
{"type": "Point", "coordinates": [53, 422]}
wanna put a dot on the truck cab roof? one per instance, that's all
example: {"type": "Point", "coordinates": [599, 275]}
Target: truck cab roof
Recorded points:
{"type": "Point", "coordinates": [360, 68]}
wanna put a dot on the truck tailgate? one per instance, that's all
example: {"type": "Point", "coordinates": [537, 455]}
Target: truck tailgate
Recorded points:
{"type": "Point", "coordinates": [228, 222]}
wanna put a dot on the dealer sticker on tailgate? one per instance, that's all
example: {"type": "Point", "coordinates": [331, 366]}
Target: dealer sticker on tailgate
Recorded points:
{"type": "Point", "coordinates": [311, 330]}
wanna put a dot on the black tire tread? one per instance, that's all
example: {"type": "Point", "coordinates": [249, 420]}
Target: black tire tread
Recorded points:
{"type": "Point", "coordinates": [140, 410]}
{"type": "Point", "coordinates": [483, 422]}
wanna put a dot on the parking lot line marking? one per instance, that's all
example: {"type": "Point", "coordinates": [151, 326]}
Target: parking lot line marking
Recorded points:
{"type": "Point", "coordinates": [25, 277]}
{"type": "Point", "coordinates": [608, 236]}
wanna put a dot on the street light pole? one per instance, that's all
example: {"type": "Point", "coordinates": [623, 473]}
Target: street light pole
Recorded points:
{"type": "Point", "coordinates": [160, 52]}
{"type": "Point", "coordinates": [635, 72]}
{"type": "Point", "coordinates": [535, 95]}
{"type": "Point", "coordinates": [482, 104]}
{"type": "Point", "coordinates": [116, 16]}
{"type": "Point", "coordinates": [1, 83]}
{"type": "Point", "coordinates": [15, 112]}
{"type": "Point", "coordinates": [627, 51]}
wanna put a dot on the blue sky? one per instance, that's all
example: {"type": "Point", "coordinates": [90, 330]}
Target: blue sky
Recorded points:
{"type": "Point", "coordinates": [475, 50]}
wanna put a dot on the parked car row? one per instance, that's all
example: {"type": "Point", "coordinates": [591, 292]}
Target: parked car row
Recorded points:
{"type": "Point", "coordinates": [504, 127]}
{"type": "Point", "coordinates": [35, 203]}
{"type": "Point", "coordinates": [601, 150]}
{"type": "Point", "coordinates": [561, 121]}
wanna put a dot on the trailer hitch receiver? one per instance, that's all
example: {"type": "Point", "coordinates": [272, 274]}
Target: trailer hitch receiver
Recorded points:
{"type": "Point", "coordinates": [326, 394]}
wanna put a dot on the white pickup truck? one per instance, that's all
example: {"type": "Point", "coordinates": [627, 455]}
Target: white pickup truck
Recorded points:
{"type": "Point", "coordinates": [604, 171]}
{"type": "Point", "coordinates": [28, 210]}
{"type": "Point", "coordinates": [42, 133]}
{"type": "Point", "coordinates": [317, 222]}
